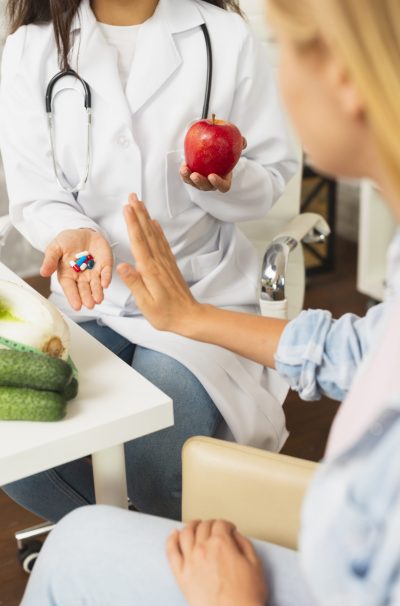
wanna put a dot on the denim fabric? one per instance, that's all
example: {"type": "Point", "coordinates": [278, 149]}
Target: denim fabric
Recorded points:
{"type": "Point", "coordinates": [153, 462]}
{"type": "Point", "coordinates": [102, 556]}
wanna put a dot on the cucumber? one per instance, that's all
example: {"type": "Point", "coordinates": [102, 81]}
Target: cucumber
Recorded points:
{"type": "Point", "coordinates": [24, 404]}
{"type": "Point", "coordinates": [71, 390]}
{"type": "Point", "coordinates": [29, 369]}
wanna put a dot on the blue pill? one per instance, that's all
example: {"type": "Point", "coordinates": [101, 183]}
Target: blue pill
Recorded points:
{"type": "Point", "coordinates": [81, 260]}
{"type": "Point", "coordinates": [90, 264]}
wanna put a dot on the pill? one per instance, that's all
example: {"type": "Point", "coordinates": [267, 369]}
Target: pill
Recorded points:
{"type": "Point", "coordinates": [84, 253]}
{"type": "Point", "coordinates": [81, 260]}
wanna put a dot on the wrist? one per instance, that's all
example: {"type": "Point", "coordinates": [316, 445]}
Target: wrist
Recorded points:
{"type": "Point", "coordinates": [241, 602]}
{"type": "Point", "coordinates": [192, 322]}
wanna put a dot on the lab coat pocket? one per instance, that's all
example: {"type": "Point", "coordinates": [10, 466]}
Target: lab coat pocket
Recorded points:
{"type": "Point", "coordinates": [178, 193]}
{"type": "Point", "coordinates": [204, 264]}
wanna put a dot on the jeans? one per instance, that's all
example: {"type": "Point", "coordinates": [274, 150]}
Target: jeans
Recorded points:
{"type": "Point", "coordinates": [153, 462]}
{"type": "Point", "coordinates": [104, 556]}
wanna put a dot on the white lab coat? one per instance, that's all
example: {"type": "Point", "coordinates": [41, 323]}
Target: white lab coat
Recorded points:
{"type": "Point", "coordinates": [137, 143]}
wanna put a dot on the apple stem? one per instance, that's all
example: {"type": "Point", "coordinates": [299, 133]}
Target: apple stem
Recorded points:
{"type": "Point", "coordinates": [213, 118]}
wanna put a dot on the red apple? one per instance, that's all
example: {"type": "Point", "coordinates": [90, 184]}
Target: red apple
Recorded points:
{"type": "Point", "coordinates": [213, 146]}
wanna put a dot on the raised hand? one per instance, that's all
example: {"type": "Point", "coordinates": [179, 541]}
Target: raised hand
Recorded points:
{"type": "Point", "coordinates": [87, 287]}
{"type": "Point", "coordinates": [159, 289]}
{"type": "Point", "coordinates": [214, 564]}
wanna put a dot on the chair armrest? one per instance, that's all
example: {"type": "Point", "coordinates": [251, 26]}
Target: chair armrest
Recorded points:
{"type": "Point", "coordinates": [261, 492]}
{"type": "Point", "coordinates": [307, 227]}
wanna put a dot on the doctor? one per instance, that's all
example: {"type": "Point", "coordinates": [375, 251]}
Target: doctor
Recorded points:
{"type": "Point", "coordinates": [145, 65]}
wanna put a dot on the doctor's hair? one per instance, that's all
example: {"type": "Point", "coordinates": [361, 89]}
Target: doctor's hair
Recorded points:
{"type": "Point", "coordinates": [365, 36]}
{"type": "Point", "coordinates": [61, 13]}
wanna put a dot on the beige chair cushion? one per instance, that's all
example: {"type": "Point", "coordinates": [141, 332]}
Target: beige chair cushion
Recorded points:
{"type": "Point", "coordinates": [259, 491]}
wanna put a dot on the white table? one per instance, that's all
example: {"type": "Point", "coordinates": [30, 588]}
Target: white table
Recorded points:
{"type": "Point", "coordinates": [114, 405]}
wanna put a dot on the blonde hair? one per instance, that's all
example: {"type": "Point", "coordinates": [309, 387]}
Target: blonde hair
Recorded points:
{"type": "Point", "coordinates": [366, 36]}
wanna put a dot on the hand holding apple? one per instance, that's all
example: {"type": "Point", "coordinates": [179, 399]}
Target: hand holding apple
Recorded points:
{"type": "Point", "coordinates": [212, 149]}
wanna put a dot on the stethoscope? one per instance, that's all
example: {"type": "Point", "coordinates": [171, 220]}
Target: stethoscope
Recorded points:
{"type": "Point", "coordinates": [61, 181]}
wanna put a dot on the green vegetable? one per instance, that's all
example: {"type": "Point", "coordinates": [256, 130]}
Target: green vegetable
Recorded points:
{"type": "Point", "coordinates": [71, 390]}
{"type": "Point", "coordinates": [34, 370]}
{"type": "Point", "coordinates": [23, 404]}
{"type": "Point", "coordinates": [27, 319]}
{"type": "Point", "coordinates": [6, 313]}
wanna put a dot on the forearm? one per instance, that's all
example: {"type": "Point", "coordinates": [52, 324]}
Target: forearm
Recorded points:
{"type": "Point", "coordinates": [254, 190]}
{"type": "Point", "coordinates": [251, 336]}
{"type": "Point", "coordinates": [42, 220]}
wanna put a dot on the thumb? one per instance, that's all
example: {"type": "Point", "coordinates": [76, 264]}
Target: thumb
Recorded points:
{"type": "Point", "coordinates": [131, 277]}
{"type": "Point", "coordinates": [51, 259]}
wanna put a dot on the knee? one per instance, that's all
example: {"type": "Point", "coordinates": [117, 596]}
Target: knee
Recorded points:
{"type": "Point", "coordinates": [75, 534]}
{"type": "Point", "coordinates": [82, 521]}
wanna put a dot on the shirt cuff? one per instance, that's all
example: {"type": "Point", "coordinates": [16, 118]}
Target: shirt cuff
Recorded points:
{"type": "Point", "coordinates": [301, 349]}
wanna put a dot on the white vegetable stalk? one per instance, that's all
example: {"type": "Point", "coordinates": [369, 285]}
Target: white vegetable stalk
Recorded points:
{"type": "Point", "coordinates": [28, 318]}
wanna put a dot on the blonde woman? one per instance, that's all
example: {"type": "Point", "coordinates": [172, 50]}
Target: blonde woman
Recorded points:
{"type": "Point", "coordinates": [340, 61]}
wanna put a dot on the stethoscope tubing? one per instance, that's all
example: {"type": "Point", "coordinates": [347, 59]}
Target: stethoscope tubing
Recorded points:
{"type": "Point", "coordinates": [56, 78]}
{"type": "Point", "coordinates": [61, 181]}
{"type": "Point", "coordinates": [209, 75]}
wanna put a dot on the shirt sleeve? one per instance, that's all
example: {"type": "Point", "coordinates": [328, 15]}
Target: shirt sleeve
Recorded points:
{"type": "Point", "coordinates": [318, 355]}
{"type": "Point", "coordinates": [39, 209]}
{"type": "Point", "coordinates": [269, 160]}
{"type": "Point", "coordinates": [394, 598]}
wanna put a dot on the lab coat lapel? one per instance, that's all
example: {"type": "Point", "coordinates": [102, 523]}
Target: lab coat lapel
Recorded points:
{"type": "Point", "coordinates": [97, 62]}
{"type": "Point", "coordinates": [157, 56]}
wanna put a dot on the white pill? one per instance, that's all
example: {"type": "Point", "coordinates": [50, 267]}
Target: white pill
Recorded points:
{"type": "Point", "coordinates": [84, 253]}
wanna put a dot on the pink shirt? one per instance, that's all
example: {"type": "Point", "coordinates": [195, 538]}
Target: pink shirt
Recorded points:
{"type": "Point", "coordinates": [377, 381]}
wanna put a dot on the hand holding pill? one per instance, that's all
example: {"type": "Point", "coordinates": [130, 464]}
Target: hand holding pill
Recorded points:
{"type": "Point", "coordinates": [83, 260]}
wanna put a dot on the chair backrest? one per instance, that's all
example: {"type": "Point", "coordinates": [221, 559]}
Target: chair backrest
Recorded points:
{"type": "Point", "coordinates": [261, 492]}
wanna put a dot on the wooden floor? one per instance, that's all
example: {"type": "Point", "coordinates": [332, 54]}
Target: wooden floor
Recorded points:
{"type": "Point", "coordinates": [308, 422]}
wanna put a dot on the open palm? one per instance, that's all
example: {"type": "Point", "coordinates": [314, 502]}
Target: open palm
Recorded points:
{"type": "Point", "coordinates": [87, 287]}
